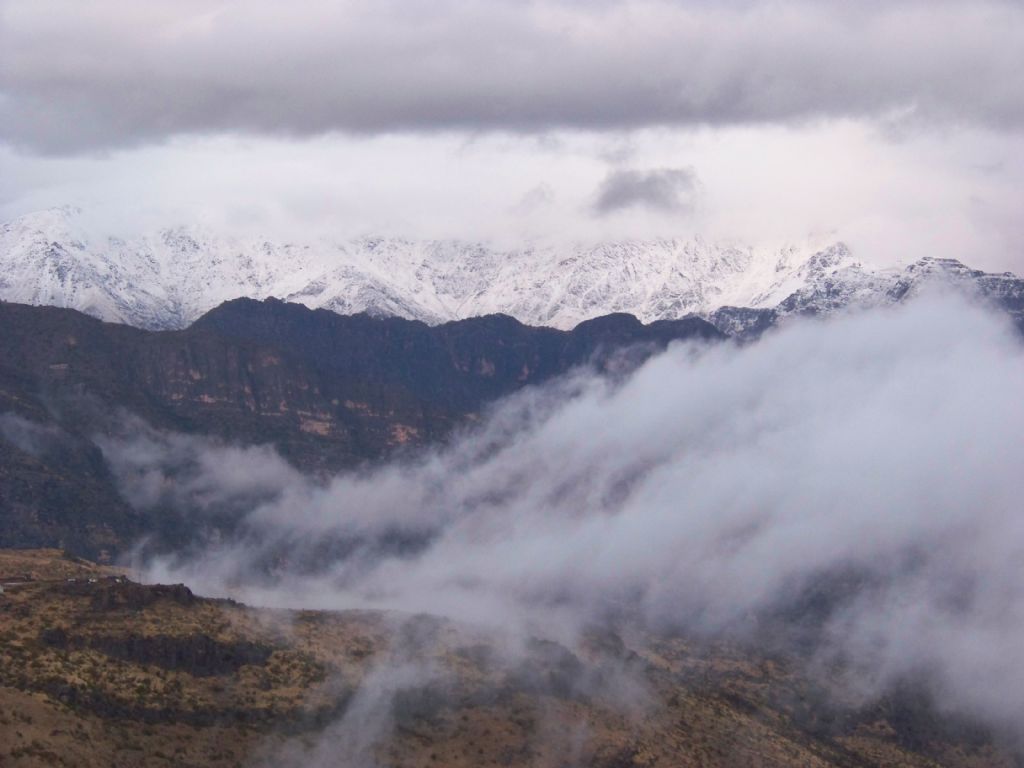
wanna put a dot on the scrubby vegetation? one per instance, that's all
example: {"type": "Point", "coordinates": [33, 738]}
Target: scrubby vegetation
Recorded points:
{"type": "Point", "coordinates": [98, 670]}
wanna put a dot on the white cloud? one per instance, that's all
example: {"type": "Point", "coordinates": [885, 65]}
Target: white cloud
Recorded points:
{"type": "Point", "coordinates": [895, 126]}
{"type": "Point", "coordinates": [951, 194]}
{"type": "Point", "coordinates": [714, 485]}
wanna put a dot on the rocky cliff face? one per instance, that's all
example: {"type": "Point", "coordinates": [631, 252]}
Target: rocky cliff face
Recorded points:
{"type": "Point", "coordinates": [328, 391]}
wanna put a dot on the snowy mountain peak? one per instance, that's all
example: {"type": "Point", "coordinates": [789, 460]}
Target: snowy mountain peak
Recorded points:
{"type": "Point", "coordinates": [169, 277]}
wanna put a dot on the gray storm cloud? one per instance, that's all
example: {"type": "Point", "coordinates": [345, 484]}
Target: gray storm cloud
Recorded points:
{"type": "Point", "coordinates": [877, 453]}
{"type": "Point", "coordinates": [668, 190]}
{"type": "Point", "coordinates": [77, 76]}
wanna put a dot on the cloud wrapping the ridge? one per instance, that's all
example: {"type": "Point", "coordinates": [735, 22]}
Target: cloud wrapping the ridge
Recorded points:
{"type": "Point", "coordinates": [28, 436]}
{"type": "Point", "coordinates": [76, 76]}
{"type": "Point", "coordinates": [876, 453]}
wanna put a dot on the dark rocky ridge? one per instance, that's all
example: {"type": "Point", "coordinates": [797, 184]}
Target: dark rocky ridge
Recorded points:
{"type": "Point", "coordinates": [326, 390]}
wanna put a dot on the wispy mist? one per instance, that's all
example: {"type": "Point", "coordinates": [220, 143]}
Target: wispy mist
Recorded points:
{"type": "Point", "coordinates": [28, 436]}
{"type": "Point", "coordinates": [861, 474]}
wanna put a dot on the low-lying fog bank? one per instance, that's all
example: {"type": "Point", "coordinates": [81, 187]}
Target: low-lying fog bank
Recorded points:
{"type": "Point", "coordinates": [859, 478]}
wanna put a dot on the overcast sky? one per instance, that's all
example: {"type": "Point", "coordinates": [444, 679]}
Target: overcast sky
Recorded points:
{"type": "Point", "coordinates": [898, 126]}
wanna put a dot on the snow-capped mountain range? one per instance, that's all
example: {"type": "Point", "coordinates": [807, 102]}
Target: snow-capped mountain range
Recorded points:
{"type": "Point", "coordinates": [168, 278]}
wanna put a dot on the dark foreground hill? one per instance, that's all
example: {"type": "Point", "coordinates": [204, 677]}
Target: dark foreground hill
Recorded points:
{"type": "Point", "coordinates": [96, 670]}
{"type": "Point", "coordinates": [328, 391]}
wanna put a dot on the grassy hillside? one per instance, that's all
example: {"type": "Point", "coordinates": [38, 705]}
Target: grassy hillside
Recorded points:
{"type": "Point", "coordinates": [97, 670]}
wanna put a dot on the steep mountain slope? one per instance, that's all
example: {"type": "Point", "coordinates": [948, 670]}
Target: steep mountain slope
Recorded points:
{"type": "Point", "coordinates": [167, 279]}
{"type": "Point", "coordinates": [328, 391]}
{"type": "Point", "coordinates": [828, 282]}
{"type": "Point", "coordinates": [96, 670]}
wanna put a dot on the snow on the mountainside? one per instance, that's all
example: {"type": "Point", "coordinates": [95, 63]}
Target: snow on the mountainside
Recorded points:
{"type": "Point", "coordinates": [168, 278]}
